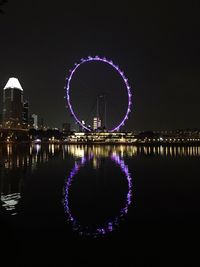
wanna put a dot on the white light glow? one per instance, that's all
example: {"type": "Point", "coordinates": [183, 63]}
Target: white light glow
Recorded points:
{"type": "Point", "coordinates": [13, 83]}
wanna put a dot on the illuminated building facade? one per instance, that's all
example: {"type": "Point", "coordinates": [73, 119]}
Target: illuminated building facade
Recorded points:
{"type": "Point", "coordinates": [13, 104]}
{"type": "Point", "coordinates": [25, 115]}
{"type": "Point", "coordinates": [96, 123]}
{"type": "Point", "coordinates": [34, 121]}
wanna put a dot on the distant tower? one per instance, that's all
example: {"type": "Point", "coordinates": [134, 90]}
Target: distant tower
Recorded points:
{"type": "Point", "coordinates": [12, 104]}
{"type": "Point", "coordinates": [25, 114]}
{"type": "Point", "coordinates": [41, 125]}
{"type": "Point", "coordinates": [96, 123]}
{"type": "Point", "coordinates": [100, 120]}
{"type": "Point", "coordinates": [66, 127]}
{"type": "Point", "coordinates": [35, 121]}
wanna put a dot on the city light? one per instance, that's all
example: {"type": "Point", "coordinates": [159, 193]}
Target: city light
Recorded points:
{"type": "Point", "coordinates": [13, 83]}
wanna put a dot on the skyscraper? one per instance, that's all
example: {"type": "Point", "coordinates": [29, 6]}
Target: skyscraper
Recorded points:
{"type": "Point", "coordinates": [35, 121]}
{"type": "Point", "coordinates": [66, 127]}
{"type": "Point", "coordinates": [96, 123]}
{"type": "Point", "coordinates": [12, 104]}
{"type": "Point", "coordinates": [99, 122]}
{"type": "Point", "coordinates": [25, 114]}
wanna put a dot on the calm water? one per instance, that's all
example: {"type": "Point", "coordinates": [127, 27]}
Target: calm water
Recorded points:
{"type": "Point", "coordinates": [107, 204]}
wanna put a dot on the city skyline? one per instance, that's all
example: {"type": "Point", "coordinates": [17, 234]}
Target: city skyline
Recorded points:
{"type": "Point", "coordinates": [16, 108]}
{"type": "Point", "coordinates": [157, 49]}
{"type": "Point", "coordinates": [99, 133]}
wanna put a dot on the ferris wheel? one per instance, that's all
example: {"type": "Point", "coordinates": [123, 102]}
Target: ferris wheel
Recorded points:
{"type": "Point", "coordinates": [125, 81]}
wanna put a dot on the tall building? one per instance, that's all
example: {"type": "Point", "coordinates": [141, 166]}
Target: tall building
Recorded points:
{"type": "Point", "coordinates": [66, 127]}
{"type": "Point", "coordinates": [41, 124]}
{"type": "Point", "coordinates": [25, 114]}
{"type": "Point", "coordinates": [101, 109]}
{"type": "Point", "coordinates": [12, 104]}
{"type": "Point", "coordinates": [96, 123]}
{"type": "Point", "coordinates": [34, 120]}
{"type": "Point", "coordinates": [1, 121]}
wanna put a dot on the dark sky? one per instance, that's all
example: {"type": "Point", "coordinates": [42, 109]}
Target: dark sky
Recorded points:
{"type": "Point", "coordinates": [156, 44]}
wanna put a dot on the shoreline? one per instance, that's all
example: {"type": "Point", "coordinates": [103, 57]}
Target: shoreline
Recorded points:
{"type": "Point", "coordinates": [195, 143]}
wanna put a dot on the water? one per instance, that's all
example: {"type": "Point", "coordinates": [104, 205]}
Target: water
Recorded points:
{"type": "Point", "coordinates": [105, 204]}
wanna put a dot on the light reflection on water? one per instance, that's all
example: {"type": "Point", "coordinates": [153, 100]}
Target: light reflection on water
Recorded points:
{"type": "Point", "coordinates": [111, 223]}
{"type": "Point", "coordinates": [18, 161]}
{"type": "Point", "coordinates": [130, 151]}
{"type": "Point", "coordinates": [10, 201]}
{"type": "Point", "coordinates": [12, 156]}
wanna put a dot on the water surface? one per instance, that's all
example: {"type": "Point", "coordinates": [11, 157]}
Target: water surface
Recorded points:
{"type": "Point", "coordinates": [107, 204]}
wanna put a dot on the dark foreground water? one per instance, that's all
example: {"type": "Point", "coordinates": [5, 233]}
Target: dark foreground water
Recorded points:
{"type": "Point", "coordinates": [99, 205]}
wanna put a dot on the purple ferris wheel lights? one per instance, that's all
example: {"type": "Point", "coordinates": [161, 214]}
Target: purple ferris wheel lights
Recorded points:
{"type": "Point", "coordinates": [111, 224]}
{"type": "Point", "coordinates": [120, 72]}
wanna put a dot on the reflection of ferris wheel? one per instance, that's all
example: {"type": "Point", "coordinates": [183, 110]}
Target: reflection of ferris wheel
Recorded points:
{"type": "Point", "coordinates": [120, 72]}
{"type": "Point", "coordinates": [110, 224]}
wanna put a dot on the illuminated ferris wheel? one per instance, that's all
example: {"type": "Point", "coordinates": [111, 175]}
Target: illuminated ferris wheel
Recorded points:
{"type": "Point", "coordinates": [68, 91]}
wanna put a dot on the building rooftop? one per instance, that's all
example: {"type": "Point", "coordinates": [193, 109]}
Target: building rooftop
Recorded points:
{"type": "Point", "coordinates": [13, 83]}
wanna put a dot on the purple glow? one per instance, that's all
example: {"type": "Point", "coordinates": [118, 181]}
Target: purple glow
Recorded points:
{"type": "Point", "coordinates": [110, 225]}
{"type": "Point", "coordinates": [128, 88]}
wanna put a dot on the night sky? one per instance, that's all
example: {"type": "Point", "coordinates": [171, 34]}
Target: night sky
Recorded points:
{"type": "Point", "coordinates": [155, 44]}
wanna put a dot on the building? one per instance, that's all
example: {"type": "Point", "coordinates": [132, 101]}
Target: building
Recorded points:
{"type": "Point", "coordinates": [34, 121]}
{"type": "Point", "coordinates": [13, 104]}
{"type": "Point", "coordinates": [41, 125]}
{"type": "Point", "coordinates": [101, 110]}
{"type": "Point", "coordinates": [96, 123]}
{"type": "Point", "coordinates": [102, 138]}
{"type": "Point", "coordinates": [1, 120]}
{"type": "Point", "coordinates": [25, 114]}
{"type": "Point", "coordinates": [66, 127]}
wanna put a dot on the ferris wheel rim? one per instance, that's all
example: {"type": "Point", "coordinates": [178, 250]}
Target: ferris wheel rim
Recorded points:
{"type": "Point", "coordinates": [119, 71]}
